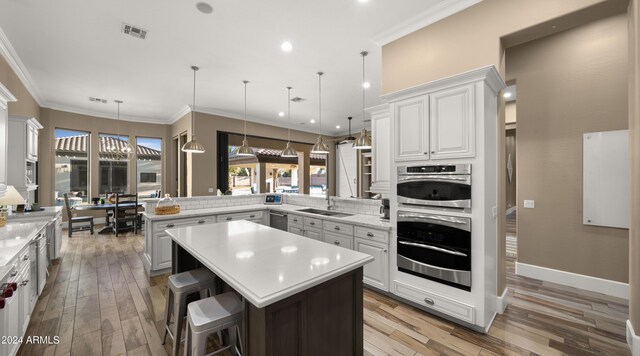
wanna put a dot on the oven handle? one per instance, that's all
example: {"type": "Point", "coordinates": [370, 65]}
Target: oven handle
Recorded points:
{"type": "Point", "coordinates": [429, 247]}
{"type": "Point", "coordinates": [434, 218]}
{"type": "Point", "coordinates": [435, 178]}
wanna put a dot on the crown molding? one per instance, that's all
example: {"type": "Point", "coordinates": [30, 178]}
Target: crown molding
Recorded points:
{"type": "Point", "coordinates": [11, 56]}
{"type": "Point", "coordinates": [74, 110]}
{"type": "Point", "coordinates": [434, 14]}
{"type": "Point", "coordinates": [178, 115]}
{"type": "Point", "coordinates": [5, 96]}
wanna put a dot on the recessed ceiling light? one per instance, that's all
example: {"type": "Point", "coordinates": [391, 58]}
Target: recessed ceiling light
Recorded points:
{"type": "Point", "coordinates": [363, 1]}
{"type": "Point", "coordinates": [366, 85]}
{"type": "Point", "coordinates": [312, 121]}
{"type": "Point", "coordinates": [337, 126]}
{"type": "Point", "coordinates": [204, 7]}
{"type": "Point", "coordinates": [281, 114]}
{"type": "Point", "coordinates": [506, 95]}
{"type": "Point", "coordinates": [286, 46]}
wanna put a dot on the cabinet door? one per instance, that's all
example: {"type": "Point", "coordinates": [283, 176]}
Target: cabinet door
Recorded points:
{"type": "Point", "coordinates": [163, 254]}
{"type": "Point", "coordinates": [376, 273]}
{"type": "Point", "coordinates": [452, 123]}
{"type": "Point", "coordinates": [313, 234]}
{"type": "Point", "coordinates": [410, 126]}
{"type": "Point", "coordinates": [25, 299]}
{"type": "Point", "coordinates": [12, 326]}
{"type": "Point", "coordinates": [3, 148]}
{"type": "Point", "coordinates": [381, 152]}
{"type": "Point", "coordinates": [34, 144]}
{"type": "Point", "coordinates": [338, 240]}
{"type": "Point", "coordinates": [296, 230]}
{"type": "Point", "coordinates": [43, 264]}
{"type": "Point", "coordinates": [58, 239]}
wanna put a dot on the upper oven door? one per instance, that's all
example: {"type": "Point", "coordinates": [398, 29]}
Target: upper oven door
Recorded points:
{"type": "Point", "coordinates": [449, 191]}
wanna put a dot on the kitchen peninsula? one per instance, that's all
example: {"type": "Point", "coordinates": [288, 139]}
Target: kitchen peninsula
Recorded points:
{"type": "Point", "coordinates": [302, 297]}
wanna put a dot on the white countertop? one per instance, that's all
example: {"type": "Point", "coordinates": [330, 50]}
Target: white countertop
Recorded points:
{"type": "Point", "coordinates": [48, 212]}
{"type": "Point", "coordinates": [264, 264]}
{"type": "Point", "coordinates": [13, 238]}
{"type": "Point", "coordinates": [372, 221]}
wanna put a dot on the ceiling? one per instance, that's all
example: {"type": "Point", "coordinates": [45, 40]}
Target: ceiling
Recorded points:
{"type": "Point", "coordinates": [72, 50]}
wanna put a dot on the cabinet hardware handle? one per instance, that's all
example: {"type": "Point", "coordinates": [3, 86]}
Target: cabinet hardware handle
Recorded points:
{"type": "Point", "coordinates": [170, 225]}
{"type": "Point", "coordinates": [229, 218]}
{"type": "Point", "coordinates": [252, 216]}
{"type": "Point", "coordinates": [429, 301]}
{"type": "Point", "coordinates": [295, 220]}
{"type": "Point", "coordinates": [369, 234]}
{"type": "Point", "coordinates": [200, 221]}
{"type": "Point", "coordinates": [385, 250]}
{"type": "Point", "coordinates": [24, 283]}
{"type": "Point", "coordinates": [312, 223]}
{"type": "Point", "coordinates": [25, 258]}
{"type": "Point", "coordinates": [433, 152]}
{"type": "Point", "coordinates": [14, 273]}
{"type": "Point", "coordinates": [336, 242]}
{"type": "Point", "coordinates": [337, 228]}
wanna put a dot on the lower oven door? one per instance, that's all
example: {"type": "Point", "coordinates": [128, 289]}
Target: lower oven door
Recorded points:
{"type": "Point", "coordinates": [435, 247]}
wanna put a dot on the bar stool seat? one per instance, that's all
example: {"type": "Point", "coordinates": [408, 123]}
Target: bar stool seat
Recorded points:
{"type": "Point", "coordinates": [211, 315]}
{"type": "Point", "coordinates": [179, 287]}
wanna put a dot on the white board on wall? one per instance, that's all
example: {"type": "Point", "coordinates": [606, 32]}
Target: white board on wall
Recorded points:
{"type": "Point", "coordinates": [606, 179]}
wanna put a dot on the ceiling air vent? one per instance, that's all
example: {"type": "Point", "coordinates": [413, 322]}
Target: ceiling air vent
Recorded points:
{"type": "Point", "coordinates": [298, 99]}
{"type": "Point", "coordinates": [134, 31]}
{"type": "Point", "coordinates": [97, 100]}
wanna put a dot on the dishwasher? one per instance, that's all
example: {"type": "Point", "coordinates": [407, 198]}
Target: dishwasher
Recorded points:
{"type": "Point", "coordinates": [278, 220]}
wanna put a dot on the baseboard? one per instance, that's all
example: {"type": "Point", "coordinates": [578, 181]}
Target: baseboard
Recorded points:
{"type": "Point", "coordinates": [633, 340]}
{"type": "Point", "coordinates": [502, 301]}
{"type": "Point", "coordinates": [594, 284]}
{"type": "Point", "coordinates": [511, 210]}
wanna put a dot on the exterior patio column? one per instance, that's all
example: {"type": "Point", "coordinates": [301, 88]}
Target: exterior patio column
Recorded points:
{"type": "Point", "coordinates": [261, 176]}
{"type": "Point", "coordinates": [304, 168]}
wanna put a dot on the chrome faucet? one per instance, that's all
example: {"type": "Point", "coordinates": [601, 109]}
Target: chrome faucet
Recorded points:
{"type": "Point", "coordinates": [330, 204]}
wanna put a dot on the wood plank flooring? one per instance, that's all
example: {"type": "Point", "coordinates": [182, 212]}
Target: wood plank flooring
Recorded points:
{"type": "Point", "coordinates": [99, 301]}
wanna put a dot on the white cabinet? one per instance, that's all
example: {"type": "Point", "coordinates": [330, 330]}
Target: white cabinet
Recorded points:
{"type": "Point", "coordinates": [21, 166]}
{"type": "Point", "coordinates": [32, 142]}
{"type": "Point", "coordinates": [25, 299]}
{"type": "Point", "coordinates": [254, 216]}
{"type": "Point", "coordinates": [305, 226]}
{"type": "Point", "coordinates": [452, 123]}
{"type": "Point", "coordinates": [411, 123]}
{"type": "Point", "coordinates": [375, 273]}
{"type": "Point", "coordinates": [12, 327]}
{"type": "Point", "coordinates": [315, 234]}
{"type": "Point", "coordinates": [43, 265]}
{"type": "Point", "coordinates": [435, 125]}
{"type": "Point", "coordinates": [5, 98]}
{"type": "Point", "coordinates": [296, 230]}
{"type": "Point", "coordinates": [338, 239]}
{"type": "Point", "coordinates": [380, 148]}
{"type": "Point", "coordinates": [163, 252]}
{"type": "Point", "coordinates": [346, 170]}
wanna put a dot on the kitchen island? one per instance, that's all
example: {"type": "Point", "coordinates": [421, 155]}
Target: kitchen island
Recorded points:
{"type": "Point", "coordinates": [302, 297]}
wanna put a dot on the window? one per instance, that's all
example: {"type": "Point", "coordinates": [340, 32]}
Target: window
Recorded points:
{"type": "Point", "coordinates": [149, 167]}
{"type": "Point", "coordinates": [113, 174]}
{"type": "Point", "coordinates": [71, 170]}
{"type": "Point", "coordinates": [318, 175]}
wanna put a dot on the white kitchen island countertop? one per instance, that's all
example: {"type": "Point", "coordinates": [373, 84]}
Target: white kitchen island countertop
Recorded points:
{"type": "Point", "coordinates": [263, 264]}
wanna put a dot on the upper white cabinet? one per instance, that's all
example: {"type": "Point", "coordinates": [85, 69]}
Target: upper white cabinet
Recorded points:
{"type": "Point", "coordinates": [23, 140]}
{"type": "Point", "coordinates": [381, 148]}
{"type": "Point", "coordinates": [32, 142]}
{"type": "Point", "coordinates": [437, 124]}
{"type": "Point", "coordinates": [5, 98]}
{"type": "Point", "coordinates": [451, 123]}
{"type": "Point", "coordinates": [411, 128]}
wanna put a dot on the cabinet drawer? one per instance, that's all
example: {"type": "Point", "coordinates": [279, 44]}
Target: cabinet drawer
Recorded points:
{"type": "Point", "coordinates": [338, 240]}
{"type": "Point", "coordinates": [437, 302]}
{"type": "Point", "coordinates": [372, 234]}
{"type": "Point", "coordinates": [247, 215]}
{"type": "Point", "coordinates": [295, 220]}
{"type": "Point", "coordinates": [313, 223]}
{"type": "Point", "coordinates": [169, 224]}
{"type": "Point", "coordinates": [338, 228]}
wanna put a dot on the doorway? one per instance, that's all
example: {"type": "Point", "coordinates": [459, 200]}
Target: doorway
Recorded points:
{"type": "Point", "coordinates": [511, 179]}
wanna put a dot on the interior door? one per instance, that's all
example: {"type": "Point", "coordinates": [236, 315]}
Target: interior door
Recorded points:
{"type": "Point", "coordinates": [347, 171]}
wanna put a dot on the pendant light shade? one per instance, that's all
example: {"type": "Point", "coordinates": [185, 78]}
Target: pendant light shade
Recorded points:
{"type": "Point", "coordinates": [364, 140]}
{"type": "Point", "coordinates": [289, 151]}
{"type": "Point", "coordinates": [193, 146]}
{"type": "Point", "coordinates": [245, 149]}
{"type": "Point", "coordinates": [320, 147]}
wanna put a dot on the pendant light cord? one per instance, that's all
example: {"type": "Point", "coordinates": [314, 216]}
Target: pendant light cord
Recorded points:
{"type": "Point", "coordinates": [289, 108]}
{"type": "Point", "coordinates": [320, 103]}
{"type": "Point", "coordinates": [245, 108]}
{"type": "Point", "coordinates": [118, 122]}
{"type": "Point", "coordinates": [193, 109]}
{"type": "Point", "coordinates": [364, 54]}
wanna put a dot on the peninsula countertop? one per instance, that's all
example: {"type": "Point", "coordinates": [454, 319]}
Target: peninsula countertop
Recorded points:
{"type": "Point", "coordinates": [264, 264]}
{"type": "Point", "coordinates": [14, 237]}
{"type": "Point", "coordinates": [372, 221]}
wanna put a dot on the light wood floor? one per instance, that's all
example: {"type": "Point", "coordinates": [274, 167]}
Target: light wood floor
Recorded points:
{"type": "Point", "coordinates": [99, 300]}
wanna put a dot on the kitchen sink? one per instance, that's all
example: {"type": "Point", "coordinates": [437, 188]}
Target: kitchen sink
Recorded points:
{"type": "Point", "coordinates": [324, 212]}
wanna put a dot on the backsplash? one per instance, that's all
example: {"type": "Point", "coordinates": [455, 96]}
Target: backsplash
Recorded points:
{"type": "Point", "coordinates": [347, 205]}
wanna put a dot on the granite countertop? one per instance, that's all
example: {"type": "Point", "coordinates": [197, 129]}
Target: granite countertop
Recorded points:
{"type": "Point", "coordinates": [372, 221]}
{"type": "Point", "coordinates": [14, 237]}
{"type": "Point", "coordinates": [263, 264]}
{"type": "Point", "coordinates": [48, 212]}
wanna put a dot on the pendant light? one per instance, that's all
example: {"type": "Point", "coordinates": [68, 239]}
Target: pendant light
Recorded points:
{"type": "Point", "coordinates": [289, 152]}
{"type": "Point", "coordinates": [126, 151]}
{"type": "Point", "coordinates": [364, 141]}
{"type": "Point", "coordinates": [320, 147]}
{"type": "Point", "coordinates": [245, 150]}
{"type": "Point", "coordinates": [193, 146]}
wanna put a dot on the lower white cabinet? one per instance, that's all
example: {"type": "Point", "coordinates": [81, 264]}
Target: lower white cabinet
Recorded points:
{"type": "Point", "coordinates": [296, 230]}
{"type": "Point", "coordinates": [12, 326]}
{"type": "Point", "coordinates": [338, 239]}
{"type": "Point", "coordinates": [25, 298]}
{"type": "Point", "coordinates": [375, 273]}
{"type": "Point", "coordinates": [43, 264]}
{"type": "Point", "coordinates": [315, 234]}
{"type": "Point", "coordinates": [458, 310]}
{"type": "Point", "coordinates": [254, 216]}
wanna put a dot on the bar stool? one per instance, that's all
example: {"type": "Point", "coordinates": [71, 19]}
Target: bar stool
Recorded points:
{"type": "Point", "coordinates": [212, 315]}
{"type": "Point", "coordinates": [180, 286]}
